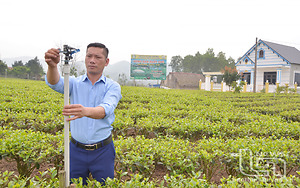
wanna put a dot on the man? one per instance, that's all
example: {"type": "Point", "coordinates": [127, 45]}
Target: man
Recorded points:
{"type": "Point", "coordinates": [93, 100]}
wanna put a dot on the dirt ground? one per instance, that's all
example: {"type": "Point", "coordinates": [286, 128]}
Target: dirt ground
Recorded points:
{"type": "Point", "coordinates": [158, 175]}
{"type": "Point", "coordinates": [159, 172]}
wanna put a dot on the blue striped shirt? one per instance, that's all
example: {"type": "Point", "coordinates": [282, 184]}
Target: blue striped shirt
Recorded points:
{"type": "Point", "coordinates": [105, 92]}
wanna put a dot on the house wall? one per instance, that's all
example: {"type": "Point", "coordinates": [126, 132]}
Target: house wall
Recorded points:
{"type": "Point", "coordinates": [294, 68]}
{"type": "Point", "coordinates": [271, 62]}
{"type": "Point", "coordinates": [181, 80]}
{"type": "Point", "coordinates": [285, 76]}
{"type": "Point", "coordinates": [165, 82]}
{"type": "Point", "coordinates": [259, 80]}
{"type": "Point", "coordinates": [270, 58]}
{"type": "Point", "coordinates": [172, 81]}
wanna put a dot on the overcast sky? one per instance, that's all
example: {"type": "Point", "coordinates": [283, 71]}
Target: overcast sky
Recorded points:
{"type": "Point", "coordinates": [156, 27]}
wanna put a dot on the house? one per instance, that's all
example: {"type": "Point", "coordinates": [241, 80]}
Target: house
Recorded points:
{"type": "Point", "coordinates": [182, 80]}
{"type": "Point", "coordinates": [276, 63]}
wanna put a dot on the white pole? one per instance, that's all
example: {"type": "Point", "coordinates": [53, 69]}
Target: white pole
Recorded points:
{"type": "Point", "coordinates": [255, 68]}
{"type": "Point", "coordinates": [66, 71]}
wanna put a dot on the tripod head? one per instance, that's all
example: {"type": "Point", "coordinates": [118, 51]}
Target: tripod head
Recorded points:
{"type": "Point", "coordinates": [68, 52]}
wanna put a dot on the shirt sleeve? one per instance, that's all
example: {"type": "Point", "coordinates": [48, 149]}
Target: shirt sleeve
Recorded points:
{"type": "Point", "coordinates": [111, 99]}
{"type": "Point", "coordinates": [59, 87]}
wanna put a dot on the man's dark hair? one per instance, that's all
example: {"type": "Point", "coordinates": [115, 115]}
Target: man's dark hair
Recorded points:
{"type": "Point", "coordinates": [99, 45]}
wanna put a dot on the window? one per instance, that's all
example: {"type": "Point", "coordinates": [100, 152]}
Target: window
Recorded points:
{"type": "Point", "coordinates": [297, 78]}
{"type": "Point", "coordinates": [246, 61]}
{"type": "Point", "coordinates": [270, 76]}
{"type": "Point", "coordinates": [246, 77]}
{"type": "Point", "coordinates": [261, 54]}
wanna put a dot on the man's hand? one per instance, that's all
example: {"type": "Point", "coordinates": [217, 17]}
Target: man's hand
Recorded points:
{"type": "Point", "coordinates": [79, 111]}
{"type": "Point", "coordinates": [52, 57]}
{"type": "Point", "coordinates": [75, 110]}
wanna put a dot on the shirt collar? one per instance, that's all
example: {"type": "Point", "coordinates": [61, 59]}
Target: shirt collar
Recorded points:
{"type": "Point", "coordinates": [102, 78]}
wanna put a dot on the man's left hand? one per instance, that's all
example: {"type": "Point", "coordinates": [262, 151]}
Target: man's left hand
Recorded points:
{"type": "Point", "coordinates": [74, 110]}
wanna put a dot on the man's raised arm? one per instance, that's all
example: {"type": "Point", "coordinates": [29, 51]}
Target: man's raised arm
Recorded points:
{"type": "Point", "coordinates": [52, 58]}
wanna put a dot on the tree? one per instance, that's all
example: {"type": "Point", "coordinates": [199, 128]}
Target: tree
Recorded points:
{"type": "Point", "coordinates": [231, 62]}
{"type": "Point", "coordinates": [20, 72]}
{"type": "Point", "coordinates": [176, 63]}
{"type": "Point", "coordinates": [122, 80]}
{"type": "Point", "coordinates": [76, 68]}
{"type": "Point", "coordinates": [222, 61]}
{"type": "Point", "coordinates": [230, 75]}
{"type": "Point", "coordinates": [36, 69]}
{"type": "Point", "coordinates": [210, 62]}
{"type": "Point", "coordinates": [210, 52]}
{"type": "Point", "coordinates": [3, 67]}
{"type": "Point", "coordinates": [73, 71]}
{"type": "Point", "coordinates": [17, 64]}
{"type": "Point", "coordinates": [238, 87]}
{"type": "Point", "coordinates": [193, 64]}
{"type": "Point", "coordinates": [187, 63]}
{"type": "Point", "coordinates": [199, 63]}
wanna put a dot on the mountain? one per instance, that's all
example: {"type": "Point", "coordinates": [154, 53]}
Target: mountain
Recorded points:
{"type": "Point", "coordinates": [114, 69]}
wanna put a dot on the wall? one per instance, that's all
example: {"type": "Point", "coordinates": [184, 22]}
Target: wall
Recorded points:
{"type": "Point", "coordinates": [294, 68]}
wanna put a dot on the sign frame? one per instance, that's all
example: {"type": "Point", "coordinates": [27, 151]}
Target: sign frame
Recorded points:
{"type": "Point", "coordinates": [148, 67]}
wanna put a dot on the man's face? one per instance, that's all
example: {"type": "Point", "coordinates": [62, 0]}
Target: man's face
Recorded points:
{"type": "Point", "coordinates": [95, 61]}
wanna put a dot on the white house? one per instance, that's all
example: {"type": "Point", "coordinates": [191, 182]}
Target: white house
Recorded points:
{"type": "Point", "coordinates": [276, 63]}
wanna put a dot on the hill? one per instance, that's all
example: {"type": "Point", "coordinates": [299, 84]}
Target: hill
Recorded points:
{"type": "Point", "coordinates": [114, 69]}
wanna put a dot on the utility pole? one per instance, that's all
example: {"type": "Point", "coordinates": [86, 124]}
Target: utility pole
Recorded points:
{"type": "Point", "coordinates": [255, 67]}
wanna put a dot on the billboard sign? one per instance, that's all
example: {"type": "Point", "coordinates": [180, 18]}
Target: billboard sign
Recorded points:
{"type": "Point", "coordinates": [148, 67]}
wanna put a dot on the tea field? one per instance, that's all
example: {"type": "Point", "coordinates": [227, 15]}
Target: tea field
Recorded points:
{"type": "Point", "coordinates": [163, 138]}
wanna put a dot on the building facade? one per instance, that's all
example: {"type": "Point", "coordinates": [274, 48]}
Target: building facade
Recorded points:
{"type": "Point", "coordinates": [182, 80]}
{"type": "Point", "coordinates": [276, 63]}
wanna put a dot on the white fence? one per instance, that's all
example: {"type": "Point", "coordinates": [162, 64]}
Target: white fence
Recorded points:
{"type": "Point", "coordinates": [211, 86]}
